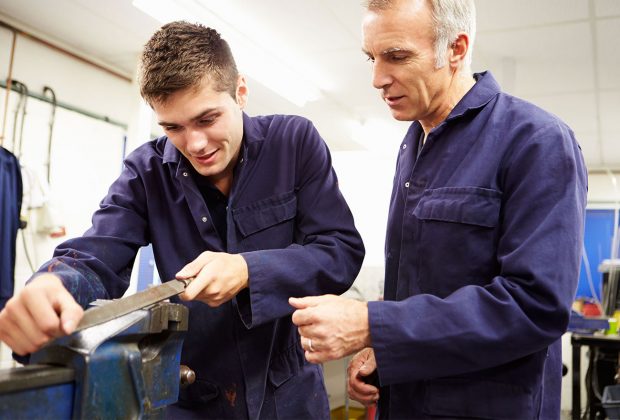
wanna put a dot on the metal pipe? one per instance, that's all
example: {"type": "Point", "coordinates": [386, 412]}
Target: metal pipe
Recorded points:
{"type": "Point", "coordinates": [52, 95]}
{"type": "Point", "coordinates": [64, 51]}
{"type": "Point", "coordinates": [71, 108]}
{"type": "Point", "coordinates": [6, 96]}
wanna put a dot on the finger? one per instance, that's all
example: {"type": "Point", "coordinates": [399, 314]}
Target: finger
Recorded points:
{"type": "Point", "coordinates": [315, 357]}
{"type": "Point", "coordinates": [196, 286]}
{"type": "Point", "coordinates": [20, 332]}
{"type": "Point", "coordinates": [362, 388]}
{"type": "Point", "coordinates": [305, 343]}
{"type": "Point", "coordinates": [362, 392]}
{"type": "Point", "coordinates": [298, 303]}
{"type": "Point", "coordinates": [193, 268]}
{"type": "Point", "coordinates": [360, 385]}
{"type": "Point", "coordinates": [356, 362]}
{"type": "Point", "coordinates": [366, 400]}
{"type": "Point", "coordinates": [56, 312]}
{"type": "Point", "coordinates": [308, 330]}
{"type": "Point", "coordinates": [38, 317]}
{"type": "Point", "coordinates": [308, 301]}
{"type": "Point", "coordinates": [304, 317]}
{"type": "Point", "coordinates": [9, 335]}
{"type": "Point", "coordinates": [70, 312]}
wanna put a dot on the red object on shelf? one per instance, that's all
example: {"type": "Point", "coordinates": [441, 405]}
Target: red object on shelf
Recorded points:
{"type": "Point", "coordinates": [591, 309]}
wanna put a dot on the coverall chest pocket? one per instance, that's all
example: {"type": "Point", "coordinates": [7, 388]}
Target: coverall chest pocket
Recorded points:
{"type": "Point", "coordinates": [268, 223]}
{"type": "Point", "coordinates": [458, 228]}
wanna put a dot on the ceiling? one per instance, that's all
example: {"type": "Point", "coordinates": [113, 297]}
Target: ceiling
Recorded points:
{"type": "Point", "coordinates": [555, 53]}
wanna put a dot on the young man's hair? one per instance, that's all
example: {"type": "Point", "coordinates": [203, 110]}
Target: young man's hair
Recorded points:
{"type": "Point", "coordinates": [449, 17]}
{"type": "Point", "coordinates": [182, 55]}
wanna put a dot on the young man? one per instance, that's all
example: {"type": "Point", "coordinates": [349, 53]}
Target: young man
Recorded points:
{"type": "Point", "coordinates": [248, 207]}
{"type": "Point", "coordinates": [483, 240]}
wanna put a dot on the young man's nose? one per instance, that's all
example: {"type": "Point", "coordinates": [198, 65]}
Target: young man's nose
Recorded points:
{"type": "Point", "coordinates": [196, 140]}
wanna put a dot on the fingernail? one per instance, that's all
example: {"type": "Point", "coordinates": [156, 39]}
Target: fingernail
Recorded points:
{"type": "Point", "coordinates": [68, 325]}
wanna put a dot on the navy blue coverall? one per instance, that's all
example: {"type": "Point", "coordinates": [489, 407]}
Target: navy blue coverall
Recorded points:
{"type": "Point", "coordinates": [483, 248]}
{"type": "Point", "coordinates": [286, 216]}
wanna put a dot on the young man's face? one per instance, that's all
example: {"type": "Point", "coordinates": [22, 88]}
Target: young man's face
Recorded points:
{"type": "Point", "coordinates": [400, 42]}
{"type": "Point", "coordinates": [206, 126]}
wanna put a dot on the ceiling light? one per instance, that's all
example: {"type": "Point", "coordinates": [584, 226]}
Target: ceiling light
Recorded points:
{"type": "Point", "coordinates": [271, 69]}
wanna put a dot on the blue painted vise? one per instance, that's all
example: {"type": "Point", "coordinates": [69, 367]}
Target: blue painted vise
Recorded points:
{"type": "Point", "coordinates": [126, 368]}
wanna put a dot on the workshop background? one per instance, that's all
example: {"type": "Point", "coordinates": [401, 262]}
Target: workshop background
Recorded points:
{"type": "Point", "coordinates": [74, 110]}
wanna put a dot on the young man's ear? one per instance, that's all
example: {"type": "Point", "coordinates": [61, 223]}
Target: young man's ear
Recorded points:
{"type": "Point", "coordinates": [458, 50]}
{"type": "Point", "coordinates": [241, 92]}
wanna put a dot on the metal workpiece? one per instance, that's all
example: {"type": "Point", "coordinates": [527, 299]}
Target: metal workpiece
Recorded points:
{"type": "Point", "coordinates": [127, 368]}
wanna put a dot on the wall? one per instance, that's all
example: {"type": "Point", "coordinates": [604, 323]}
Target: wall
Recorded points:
{"type": "Point", "coordinates": [86, 152]}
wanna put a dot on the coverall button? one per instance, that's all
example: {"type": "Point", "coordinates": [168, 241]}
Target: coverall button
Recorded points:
{"type": "Point", "coordinates": [185, 174]}
{"type": "Point", "coordinates": [204, 219]}
{"type": "Point", "coordinates": [407, 184]}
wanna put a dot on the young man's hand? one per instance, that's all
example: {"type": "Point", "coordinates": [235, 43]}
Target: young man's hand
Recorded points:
{"type": "Point", "coordinates": [218, 277]}
{"type": "Point", "coordinates": [40, 312]}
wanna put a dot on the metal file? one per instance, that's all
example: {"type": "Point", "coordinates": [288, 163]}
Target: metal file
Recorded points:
{"type": "Point", "coordinates": [117, 308]}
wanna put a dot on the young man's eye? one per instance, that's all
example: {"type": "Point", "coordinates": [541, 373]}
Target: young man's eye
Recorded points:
{"type": "Point", "coordinates": [207, 121]}
{"type": "Point", "coordinates": [171, 128]}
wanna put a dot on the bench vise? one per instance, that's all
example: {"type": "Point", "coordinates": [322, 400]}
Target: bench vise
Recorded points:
{"type": "Point", "coordinates": [127, 368]}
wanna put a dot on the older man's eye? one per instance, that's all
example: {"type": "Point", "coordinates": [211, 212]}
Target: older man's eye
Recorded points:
{"type": "Point", "coordinates": [398, 57]}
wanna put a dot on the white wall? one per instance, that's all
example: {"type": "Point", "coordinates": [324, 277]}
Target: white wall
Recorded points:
{"type": "Point", "coordinates": [604, 189]}
{"type": "Point", "coordinates": [86, 153]}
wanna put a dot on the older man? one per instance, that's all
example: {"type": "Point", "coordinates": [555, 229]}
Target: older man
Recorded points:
{"type": "Point", "coordinates": [483, 240]}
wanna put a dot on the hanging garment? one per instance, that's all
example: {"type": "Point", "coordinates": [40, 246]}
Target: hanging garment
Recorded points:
{"type": "Point", "coordinates": [10, 207]}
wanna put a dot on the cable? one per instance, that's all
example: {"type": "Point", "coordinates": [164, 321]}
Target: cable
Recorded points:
{"type": "Point", "coordinates": [27, 175]}
{"type": "Point", "coordinates": [21, 126]}
{"type": "Point", "coordinates": [20, 101]}
{"type": "Point", "coordinates": [47, 89]}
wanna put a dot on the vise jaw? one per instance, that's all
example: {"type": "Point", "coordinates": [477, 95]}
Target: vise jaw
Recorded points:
{"type": "Point", "coordinates": [125, 368]}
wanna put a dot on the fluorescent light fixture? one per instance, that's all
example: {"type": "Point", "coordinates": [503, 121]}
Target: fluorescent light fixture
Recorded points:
{"type": "Point", "coordinates": [273, 70]}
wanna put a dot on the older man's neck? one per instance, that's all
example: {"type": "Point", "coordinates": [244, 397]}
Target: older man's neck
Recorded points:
{"type": "Point", "coordinates": [461, 84]}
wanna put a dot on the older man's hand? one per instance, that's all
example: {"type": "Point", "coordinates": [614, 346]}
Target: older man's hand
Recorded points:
{"type": "Point", "coordinates": [360, 368]}
{"type": "Point", "coordinates": [331, 327]}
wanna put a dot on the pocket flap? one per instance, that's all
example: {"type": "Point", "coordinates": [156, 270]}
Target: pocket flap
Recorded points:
{"type": "Point", "coordinates": [285, 365]}
{"type": "Point", "coordinates": [265, 213]}
{"type": "Point", "coordinates": [469, 205]}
